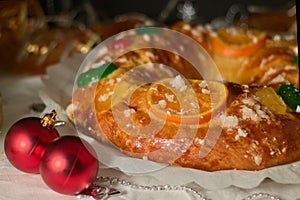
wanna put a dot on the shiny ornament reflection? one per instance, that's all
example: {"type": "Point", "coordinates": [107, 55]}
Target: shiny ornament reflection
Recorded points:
{"type": "Point", "coordinates": [25, 143]}
{"type": "Point", "coordinates": [69, 165]}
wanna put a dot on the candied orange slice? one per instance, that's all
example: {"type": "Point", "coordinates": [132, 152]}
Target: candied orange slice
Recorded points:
{"type": "Point", "coordinates": [186, 102]}
{"type": "Point", "coordinates": [268, 97]}
{"type": "Point", "coordinates": [238, 42]}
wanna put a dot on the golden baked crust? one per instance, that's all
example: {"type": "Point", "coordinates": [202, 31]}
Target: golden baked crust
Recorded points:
{"type": "Point", "coordinates": [246, 135]}
{"type": "Point", "coordinates": [252, 137]}
{"type": "Point", "coordinates": [269, 62]}
{"type": "Point", "coordinates": [270, 65]}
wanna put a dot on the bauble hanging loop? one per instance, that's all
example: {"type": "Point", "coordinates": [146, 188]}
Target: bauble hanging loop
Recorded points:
{"type": "Point", "coordinates": [49, 119]}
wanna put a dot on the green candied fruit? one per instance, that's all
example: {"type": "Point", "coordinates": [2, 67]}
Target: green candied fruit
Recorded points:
{"type": "Point", "coordinates": [296, 60]}
{"type": "Point", "coordinates": [95, 74]}
{"type": "Point", "coordinates": [147, 30]}
{"type": "Point", "coordinates": [290, 95]}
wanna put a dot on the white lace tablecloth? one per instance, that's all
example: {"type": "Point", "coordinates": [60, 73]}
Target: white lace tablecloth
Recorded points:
{"type": "Point", "coordinates": [20, 92]}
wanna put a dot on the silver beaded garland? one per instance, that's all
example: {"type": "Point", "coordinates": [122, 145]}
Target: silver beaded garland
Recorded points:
{"type": "Point", "coordinates": [257, 196]}
{"type": "Point", "coordinates": [101, 192]}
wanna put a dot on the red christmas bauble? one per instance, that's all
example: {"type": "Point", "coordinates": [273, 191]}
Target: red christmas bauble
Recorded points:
{"type": "Point", "coordinates": [69, 165]}
{"type": "Point", "coordinates": [25, 143]}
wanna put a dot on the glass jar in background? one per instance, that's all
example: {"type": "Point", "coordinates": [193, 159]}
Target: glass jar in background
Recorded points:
{"type": "Point", "coordinates": [19, 21]}
{"type": "Point", "coordinates": [36, 19]}
{"type": "Point", "coordinates": [64, 33]}
{"type": "Point", "coordinates": [13, 26]}
{"type": "Point", "coordinates": [63, 37]}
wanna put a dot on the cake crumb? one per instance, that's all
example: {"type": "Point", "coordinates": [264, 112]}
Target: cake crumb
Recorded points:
{"type": "Point", "coordinates": [241, 133]}
{"type": "Point", "coordinates": [178, 83]}
{"type": "Point", "coordinates": [298, 109]}
{"type": "Point", "coordinates": [257, 160]}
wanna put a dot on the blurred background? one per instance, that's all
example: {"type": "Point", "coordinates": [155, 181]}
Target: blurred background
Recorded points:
{"type": "Point", "coordinates": [199, 10]}
{"type": "Point", "coordinates": [35, 34]}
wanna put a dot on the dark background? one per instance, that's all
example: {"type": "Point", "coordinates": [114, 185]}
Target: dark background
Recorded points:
{"type": "Point", "coordinates": [207, 10]}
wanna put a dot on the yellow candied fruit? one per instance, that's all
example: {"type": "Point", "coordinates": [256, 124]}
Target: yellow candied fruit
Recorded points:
{"type": "Point", "coordinates": [268, 97]}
